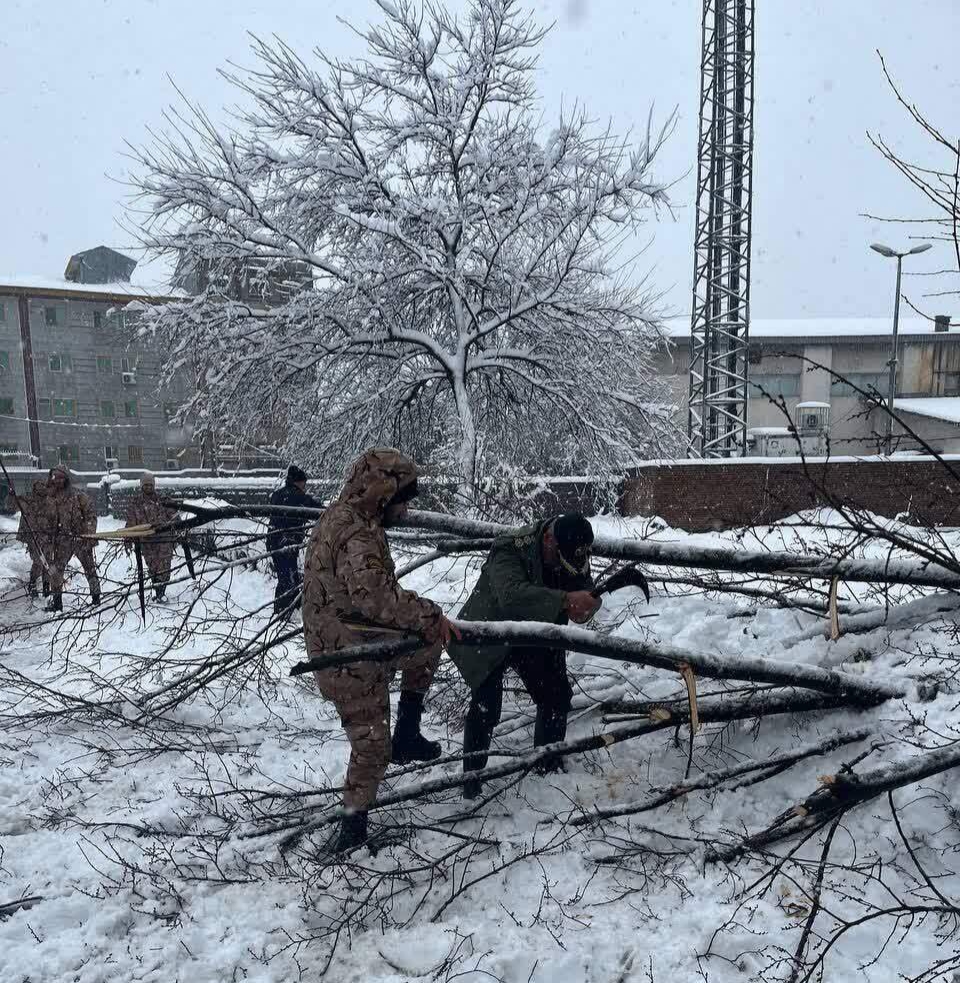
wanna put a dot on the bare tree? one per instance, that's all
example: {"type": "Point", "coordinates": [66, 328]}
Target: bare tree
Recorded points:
{"type": "Point", "coordinates": [461, 270]}
{"type": "Point", "coordinates": [938, 183]}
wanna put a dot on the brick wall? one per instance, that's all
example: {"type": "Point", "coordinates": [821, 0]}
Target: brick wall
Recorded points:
{"type": "Point", "coordinates": [699, 496]}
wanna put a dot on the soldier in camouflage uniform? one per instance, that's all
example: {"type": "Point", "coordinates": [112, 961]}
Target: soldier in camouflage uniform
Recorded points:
{"type": "Point", "coordinates": [67, 515]}
{"type": "Point", "coordinates": [349, 584]}
{"type": "Point", "coordinates": [147, 509]}
{"type": "Point", "coordinates": [29, 533]}
{"type": "Point", "coordinates": [541, 573]}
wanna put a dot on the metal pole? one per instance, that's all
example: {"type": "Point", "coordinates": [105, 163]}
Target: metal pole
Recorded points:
{"type": "Point", "coordinates": [892, 385]}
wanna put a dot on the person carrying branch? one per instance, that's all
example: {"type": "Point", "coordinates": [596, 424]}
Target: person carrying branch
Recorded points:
{"type": "Point", "coordinates": [351, 597]}
{"type": "Point", "coordinates": [285, 538]}
{"type": "Point", "coordinates": [29, 533]}
{"type": "Point", "coordinates": [66, 516]}
{"type": "Point", "coordinates": [146, 508]}
{"type": "Point", "coordinates": [540, 573]}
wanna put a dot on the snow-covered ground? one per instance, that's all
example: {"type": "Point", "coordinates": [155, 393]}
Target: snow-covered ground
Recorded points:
{"type": "Point", "coordinates": [131, 832]}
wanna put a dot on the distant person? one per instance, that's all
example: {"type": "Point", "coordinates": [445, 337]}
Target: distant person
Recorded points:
{"type": "Point", "coordinates": [29, 533]}
{"type": "Point", "coordinates": [540, 573]}
{"type": "Point", "coordinates": [285, 538]}
{"type": "Point", "coordinates": [67, 516]}
{"type": "Point", "coordinates": [147, 509]}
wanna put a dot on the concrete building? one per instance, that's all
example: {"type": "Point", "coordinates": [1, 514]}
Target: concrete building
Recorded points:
{"type": "Point", "coordinates": [815, 361]}
{"type": "Point", "coordinates": [75, 387]}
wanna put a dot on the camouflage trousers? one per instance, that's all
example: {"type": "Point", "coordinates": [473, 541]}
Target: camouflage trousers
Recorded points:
{"type": "Point", "coordinates": [58, 566]}
{"type": "Point", "coordinates": [157, 560]}
{"type": "Point", "coordinates": [37, 568]}
{"type": "Point", "coordinates": [361, 694]}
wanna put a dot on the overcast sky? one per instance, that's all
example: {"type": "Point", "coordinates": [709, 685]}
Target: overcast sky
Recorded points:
{"type": "Point", "coordinates": [80, 77]}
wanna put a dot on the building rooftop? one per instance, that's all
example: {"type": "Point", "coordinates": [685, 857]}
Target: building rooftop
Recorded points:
{"type": "Point", "coordinates": [836, 330]}
{"type": "Point", "coordinates": [945, 408]}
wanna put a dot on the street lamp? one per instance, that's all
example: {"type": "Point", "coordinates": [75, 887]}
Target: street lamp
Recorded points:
{"type": "Point", "coordinates": [892, 386]}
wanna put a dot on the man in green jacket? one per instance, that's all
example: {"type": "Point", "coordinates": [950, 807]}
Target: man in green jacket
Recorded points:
{"type": "Point", "coordinates": [541, 573]}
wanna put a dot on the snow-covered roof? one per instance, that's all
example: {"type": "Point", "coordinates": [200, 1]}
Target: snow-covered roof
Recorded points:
{"type": "Point", "coordinates": [50, 285]}
{"type": "Point", "coordinates": [946, 408]}
{"type": "Point", "coordinates": [150, 278]}
{"type": "Point", "coordinates": [836, 329]}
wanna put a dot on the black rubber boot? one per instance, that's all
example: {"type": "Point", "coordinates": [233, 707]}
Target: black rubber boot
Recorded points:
{"type": "Point", "coordinates": [550, 728]}
{"type": "Point", "coordinates": [160, 592]}
{"type": "Point", "coordinates": [56, 602]}
{"type": "Point", "coordinates": [476, 739]}
{"type": "Point", "coordinates": [352, 833]}
{"type": "Point", "coordinates": [408, 743]}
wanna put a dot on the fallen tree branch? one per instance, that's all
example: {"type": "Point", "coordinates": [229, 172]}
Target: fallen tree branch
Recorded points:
{"type": "Point", "coordinates": [711, 779]}
{"type": "Point", "coordinates": [711, 710]}
{"type": "Point", "coordinates": [840, 793]}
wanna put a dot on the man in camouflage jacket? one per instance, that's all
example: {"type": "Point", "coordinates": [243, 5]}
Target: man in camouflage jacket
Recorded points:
{"type": "Point", "coordinates": [29, 533]}
{"type": "Point", "coordinates": [541, 573]}
{"type": "Point", "coordinates": [67, 516]}
{"type": "Point", "coordinates": [351, 597]}
{"type": "Point", "coordinates": [147, 509]}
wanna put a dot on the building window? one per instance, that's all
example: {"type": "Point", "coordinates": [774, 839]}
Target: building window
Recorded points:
{"type": "Point", "coordinates": [108, 409]}
{"type": "Point", "coordinates": [866, 381]}
{"type": "Point", "coordinates": [130, 409]}
{"type": "Point", "coordinates": [60, 363]}
{"type": "Point", "coordinates": [111, 453]}
{"type": "Point", "coordinates": [135, 454]}
{"type": "Point", "coordinates": [51, 316]}
{"type": "Point", "coordinates": [128, 365]}
{"type": "Point", "coordinates": [6, 406]}
{"type": "Point", "coordinates": [98, 319]}
{"type": "Point", "coordinates": [4, 361]}
{"type": "Point", "coordinates": [69, 453]}
{"type": "Point", "coordinates": [774, 385]}
{"type": "Point", "coordinates": [104, 364]}
{"type": "Point", "coordinates": [3, 312]}
{"type": "Point", "coordinates": [172, 457]}
{"type": "Point", "coordinates": [169, 412]}
{"type": "Point", "coordinates": [44, 408]}
{"type": "Point", "coordinates": [64, 407]}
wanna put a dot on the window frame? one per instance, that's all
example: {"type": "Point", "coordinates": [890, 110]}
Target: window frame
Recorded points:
{"type": "Point", "coordinates": [137, 458]}
{"type": "Point", "coordinates": [108, 361]}
{"type": "Point", "coordinates": [63, 416]}
{"type": "Point", "coordinates": [135, 403]}
{"type": "Point", "coordinates": [7, 401]}
{"type": "Point", "coordinates": [112, 403]}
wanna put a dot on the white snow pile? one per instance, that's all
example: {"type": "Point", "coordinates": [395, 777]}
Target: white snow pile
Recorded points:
{"type": "Point", "coordinates": [132, 846]}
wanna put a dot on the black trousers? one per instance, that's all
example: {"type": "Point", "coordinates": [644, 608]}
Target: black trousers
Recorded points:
{"type": "Point", "coordinates": [543, 673]}
{"type": "Point", "coordinates": [289, 579]}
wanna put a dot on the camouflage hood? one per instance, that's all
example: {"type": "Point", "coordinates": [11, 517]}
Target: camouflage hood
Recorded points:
{"type": "Point", "coordinates": [63, 471]}
{"type": "Point", "coordinates": [375, 479]}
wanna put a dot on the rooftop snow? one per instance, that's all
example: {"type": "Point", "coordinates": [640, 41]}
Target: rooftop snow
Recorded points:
{"type": "Point", "coordinates": [822, 327]}
{"type": "Point", "coordinates": [946, 408]}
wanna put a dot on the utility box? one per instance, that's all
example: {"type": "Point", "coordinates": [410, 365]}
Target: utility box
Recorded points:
{"type": "Point", "coordinates": [807, 437]}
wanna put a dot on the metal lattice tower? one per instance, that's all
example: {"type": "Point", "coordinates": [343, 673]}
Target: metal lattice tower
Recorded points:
{"type": "Point", "coordinates": [717, 413]}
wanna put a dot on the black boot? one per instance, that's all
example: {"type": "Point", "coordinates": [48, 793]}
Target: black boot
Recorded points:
{"type": "Point", "coordinates": [477, 734]}
{"type": "Point", "coordinates": [46, 587]}
{"type": "Point", "coordinates": [160, 592]}
{"type": "Point", "coordinates": [94, 600]}
{"type": "Point", "coordinates": [408, 743]}
{"type": "Point", "coordinates": [56, 602]}
{"type": "Point", "coordinates": [352, 833]}
{"type": "Point", "coordinates": [550, 728]}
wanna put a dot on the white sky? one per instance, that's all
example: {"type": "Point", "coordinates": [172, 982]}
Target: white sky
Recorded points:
{"type": "Point", "coordinates": [80, 77]}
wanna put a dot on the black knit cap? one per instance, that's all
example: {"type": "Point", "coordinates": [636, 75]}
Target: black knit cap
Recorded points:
{"type": "Point", "coordinates": [574, 536]}
{"type": "Point", "coordinates": [295, 474]}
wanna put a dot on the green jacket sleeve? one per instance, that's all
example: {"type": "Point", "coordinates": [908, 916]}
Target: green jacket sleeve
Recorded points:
{"type": "Point", "coordinates": [517, 598]}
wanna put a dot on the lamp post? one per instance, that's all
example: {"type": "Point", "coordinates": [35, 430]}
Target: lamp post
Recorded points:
{"type": "Point", "coordinates": [892, 384]}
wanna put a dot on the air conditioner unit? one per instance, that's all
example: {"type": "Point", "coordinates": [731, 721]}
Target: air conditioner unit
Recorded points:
{"type": "Point", "coordinates": [172, 464]}
{"type": "Point", "coordinates": [112, 462]}
{"type": "Point", "coordinates": [811, 421]}
{"type": "Point", "coordinates": [128, 378]}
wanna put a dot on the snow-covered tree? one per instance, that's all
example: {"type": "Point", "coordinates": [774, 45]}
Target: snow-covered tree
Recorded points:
{"type": "Point", "coordinates": [446, 273]}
